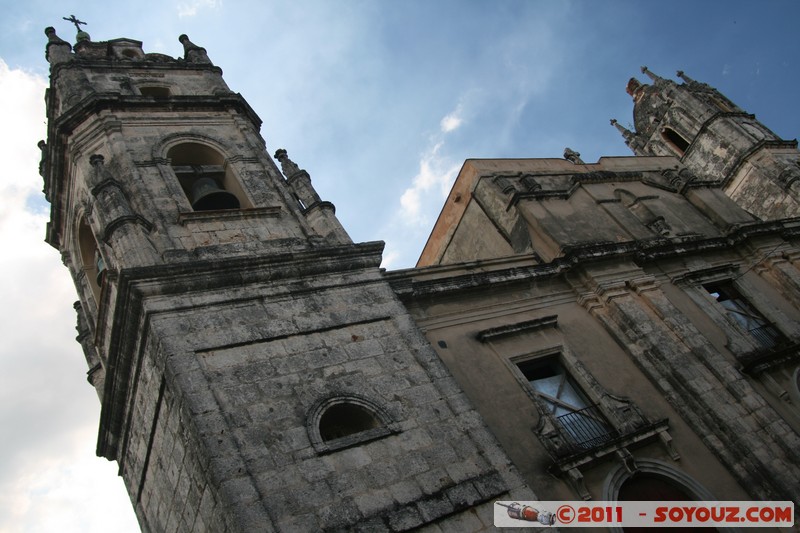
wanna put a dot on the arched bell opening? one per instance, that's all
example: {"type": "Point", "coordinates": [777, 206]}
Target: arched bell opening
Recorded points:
{"type": "Point", "coordinates": [92, 262]}
{"type": "Point", "coordinates": [208, 182]}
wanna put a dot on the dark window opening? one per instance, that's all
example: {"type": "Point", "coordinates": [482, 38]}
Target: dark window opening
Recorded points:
{"type": "Point", "coordinates": [745, 315]}
{"type": "Point", "coordinates": [653, 488]}
{"type": "Point", "coordinates": [582, 421]}
{"type": "Point", "coordinates": [675, 140]}
{"type": "Point", "coordinates": [155, 92]}
{"type": "Point", "coordinates": [91, 260]}
{"type": "Point", "coordinates": [345, 419]}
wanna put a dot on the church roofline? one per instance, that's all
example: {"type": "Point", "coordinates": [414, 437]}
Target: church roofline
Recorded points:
{"type": "Point", "coordinates": [474, 169]}
{"type": "Point", "coordinates": [438, 279]}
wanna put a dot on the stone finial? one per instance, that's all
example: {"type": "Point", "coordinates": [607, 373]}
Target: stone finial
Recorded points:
{"type": "Point", "coordinates": [684, 77]}
{"type": "Point", "coordinates": [52, 38]}
{"type": "Point", "coordinates": [651, 75]}
{"type": "Point", "coordinates": [58, 50]}
{"type": "Point", "coordinates": [573, 156]}
{"type": "Point", "coordinates": [288, 166]}
{"type": "Point", "coordinates": [99, 173]}
{"type": "Point", "coordinates": [43, 161]}
{"type": "Point", "coordinates": [193, 53]}
{"type": "Point", "coordinates": [626, 133]}
{"type": "Point", "coordinates": [96, 160]}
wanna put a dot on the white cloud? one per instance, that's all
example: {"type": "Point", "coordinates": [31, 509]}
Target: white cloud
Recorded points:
{"type": "Point", "coordinates": [49, 477]}
{"type": "Point", "coordinates": [390, 257]}
{"type": "Point", "coordinates": [436, 174]}
{"type": "Point", "coordinates": [190, 9]}
{"type": "Point", "coordinates": [452, 121]}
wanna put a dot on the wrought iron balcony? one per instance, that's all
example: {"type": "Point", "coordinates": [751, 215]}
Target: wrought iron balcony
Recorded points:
{"type": "Point", "coordinates": [767, 336]}
{"type": "Point", "coordinates": [587, 428]}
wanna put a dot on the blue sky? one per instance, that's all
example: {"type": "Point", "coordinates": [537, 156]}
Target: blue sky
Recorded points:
{"type": "Point", "coordinates": [381, 101]}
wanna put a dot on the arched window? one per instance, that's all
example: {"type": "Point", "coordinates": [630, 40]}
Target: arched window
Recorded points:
{"type": "Point", "coordinates": [345, 421]}
{"type": "Point", "coordinates": [650, 487]}
{"type": "Point", "coordinates": [208, 182]}
{"type": "Point", "coordinates": [675, 141]}
{"type": "Point", "coordinates": [654, 488]}
{"type": "Point", "coordinates": [653, 480]}
{"type": "Point", "coordinates": [92, 262]}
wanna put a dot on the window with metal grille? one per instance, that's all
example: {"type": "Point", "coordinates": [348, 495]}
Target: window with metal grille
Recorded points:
{"type": "Point", "coordinates": [581, 421]}
{"type": "Point", "coordinates": [745, 314]}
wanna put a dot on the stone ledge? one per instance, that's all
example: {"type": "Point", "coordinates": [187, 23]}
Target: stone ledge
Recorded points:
{"type": "Point", "coordinates": [490, 334]}
{"type": "Point", "coordinates": [228, 214]}
{"type": "Point", "coordinates": [446, 502]}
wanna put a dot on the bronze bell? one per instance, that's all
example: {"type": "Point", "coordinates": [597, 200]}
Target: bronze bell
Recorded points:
{"type": "Point", "coordinates": [207, 196]}
{"type": "Point", "coordinates": [101, 269]}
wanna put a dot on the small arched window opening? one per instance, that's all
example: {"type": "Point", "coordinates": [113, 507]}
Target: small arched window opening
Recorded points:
{"type": "Point", "coordinates": [675, 141]}
{"type": "Point", "coordinates": [342, 422]}
{"type": "Point", "coordinates": [206, 179]}
{"type": "Point", "coordinates": [155, 92]}
{"type": "Point", "coordinates": [92, 262]}
{"type": "Point", "coordinates": [345, 419]}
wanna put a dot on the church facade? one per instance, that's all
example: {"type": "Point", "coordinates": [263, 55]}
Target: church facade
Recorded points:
{"type": "Point", "coordinates": [572, 330]}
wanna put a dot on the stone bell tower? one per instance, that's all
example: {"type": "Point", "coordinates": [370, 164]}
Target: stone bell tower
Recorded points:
{"type": "Point", "coordinates": [255, 370]}
{"type": "Point", "coordinates": [717, 141]}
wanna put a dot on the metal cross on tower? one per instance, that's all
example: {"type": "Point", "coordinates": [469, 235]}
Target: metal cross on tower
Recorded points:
{"type": "Point", "coordinates": [75, 21]}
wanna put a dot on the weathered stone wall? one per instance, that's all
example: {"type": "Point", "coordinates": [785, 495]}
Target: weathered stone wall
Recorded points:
{"type": "Point", "coordinates": [228, 426]}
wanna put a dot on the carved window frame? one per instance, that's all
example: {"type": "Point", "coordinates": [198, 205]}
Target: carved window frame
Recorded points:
{"type": "Point", "coordinates": [87, 251]}
{"type": "Point", "coordinates": [739, 341]}
{"type": "Point", "coordinates": [321, 446]}
{"type": "Point", "coordinates": [675, 141]}
{"type": "Point", "coordinates": [622, 414]}
{"type": "Point", "coordinates": [550, 427]}
{"type": "Point", "coordinates": [618, 475]}
{"type": "Point", "coordinates": [231, 180]}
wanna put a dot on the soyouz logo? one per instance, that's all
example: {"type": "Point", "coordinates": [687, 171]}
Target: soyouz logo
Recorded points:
{"type": "Point", "coordinates": [644, 514]}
